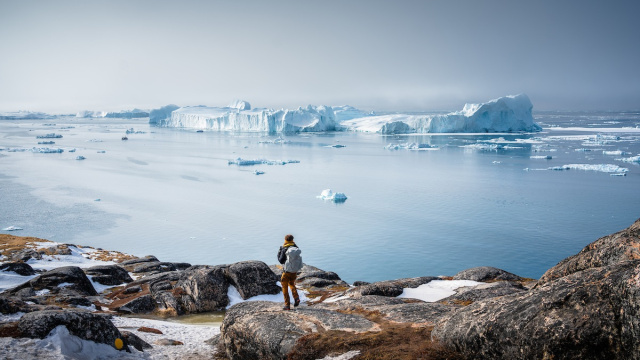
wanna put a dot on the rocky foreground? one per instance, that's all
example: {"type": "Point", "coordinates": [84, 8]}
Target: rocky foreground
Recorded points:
{"type": "Point", "coordinates": [585, 307]}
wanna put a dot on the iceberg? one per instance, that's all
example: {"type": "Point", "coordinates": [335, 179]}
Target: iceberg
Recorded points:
{"type": "Point", "coordinates": [25, 115]}
{"type": "Point", "coordinates": [336, 197]}
{"type": "Point", "coordinates": [12, 228]}
{"type": "Point", "coordinates": [124, 114]}
{"type": "Point", "coordinates": [411, 146]}
{"type": "Point", "coordinates": [311, 118]}
{"type": "Point", "coordinates": [505, 114]}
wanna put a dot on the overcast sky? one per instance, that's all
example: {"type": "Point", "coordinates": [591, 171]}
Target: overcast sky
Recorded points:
{"type": "Point", "coordinates": [66, 56]}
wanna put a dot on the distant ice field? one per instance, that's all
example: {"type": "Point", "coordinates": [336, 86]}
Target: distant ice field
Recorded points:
{"type": "Point", "coordinates": [416, 204]}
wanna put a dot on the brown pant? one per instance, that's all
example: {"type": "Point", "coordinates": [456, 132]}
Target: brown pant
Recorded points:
{"type": "Point", "coordinates": [288, 280]}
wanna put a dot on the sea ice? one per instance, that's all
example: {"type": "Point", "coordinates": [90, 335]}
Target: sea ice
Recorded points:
{"type": "Point", "coordinates": [410, 146]}
{"type": "Point", "coordinates": [49, 136]}
{"type": "Point", "coordinates": [633, 159]}
{"type": "Point", "coordinates": [616, 152]}
{"type": "Point", "coordinates": [329, 195]}
{"type": "Point", "coordinates": [12, 228]}
{"type": "Point", "coordinates": [80, 157]}
{"type": "Point", "coordinates": [47, 150]}
{"type": "Point", "coordinates": [244, 162]}
{"type": "Point", "coordinates": [547, 157]}
{"type": "Point", "coordinates": [606, 168]}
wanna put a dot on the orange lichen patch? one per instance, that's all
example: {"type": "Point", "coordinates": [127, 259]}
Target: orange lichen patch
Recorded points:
{"type": "Point", "coordinates": [446, 278]}
{"type": "Point", "coordinates": [392, 341]}
{"type": "Point", "coordinates": [150, 330]}
{"type": "Point", "coordinates": [458, 302]}
{"type": "Point", "coordinates": [319, 296]}
{"type": "Point", "coordinates": [10, 243]}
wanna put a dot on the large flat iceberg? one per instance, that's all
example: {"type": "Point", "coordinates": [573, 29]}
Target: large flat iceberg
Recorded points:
{"type": "Point", "coordinates": [240, 117]}
{"type": "Point", "coordinates": [506, 114]}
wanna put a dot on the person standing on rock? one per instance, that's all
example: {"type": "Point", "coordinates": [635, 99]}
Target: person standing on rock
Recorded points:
{"type": "Point", "coordinates": [289, 257]}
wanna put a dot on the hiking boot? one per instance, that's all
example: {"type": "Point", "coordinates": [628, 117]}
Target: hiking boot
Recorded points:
{"type": "Point", "coordinates": [286, 308]}
{"type": "Point", "coordinates": [296, 303]}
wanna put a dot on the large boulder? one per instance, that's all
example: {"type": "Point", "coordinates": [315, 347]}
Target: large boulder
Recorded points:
{"type": "Point", "coordinates": [154, 266]}
{"type": "Point", "coordinates": [19, 268]}
{"type": "Point", "coordinates": [203, 288]}
{"type": "Point", "coordinates": [252, 278]}
{"type": "Point", "coordinates": [611, 249]}
{"type": "Point", "coordinates": [485, 274]}
{"type": "Point", "coordinates": [391, 288]}
{"type": "Point", "coordinates": [70, 277]}
{"type": "Point", "coordinates": [108, 274]}
{"type": "Point", "coordinates": [83, 324]}
{"type": "Point", "coordinates": [591, 314]}
{"type": "Point", "coordinates": [312, 277]}
{"type": "Point", "coordinates": [139, 305]}
{"type": "Point", "coordinates": [262, 330]}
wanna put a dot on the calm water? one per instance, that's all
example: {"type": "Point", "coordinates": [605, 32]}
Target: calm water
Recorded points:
{"type": "Point", "coordinates": [171, 193]}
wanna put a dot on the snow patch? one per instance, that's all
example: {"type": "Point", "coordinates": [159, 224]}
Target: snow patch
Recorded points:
{"type": "Point", "coordinates": [436, 289]}
{"type": "Point", "coordinates": [235, 298]}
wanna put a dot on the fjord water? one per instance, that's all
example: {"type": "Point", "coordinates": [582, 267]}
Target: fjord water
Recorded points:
{"type": "Point", "coordinates": [466, 202]}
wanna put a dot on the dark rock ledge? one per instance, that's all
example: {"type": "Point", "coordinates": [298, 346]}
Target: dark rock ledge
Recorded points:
{"type": "Point", "coordinates": [587, 307]}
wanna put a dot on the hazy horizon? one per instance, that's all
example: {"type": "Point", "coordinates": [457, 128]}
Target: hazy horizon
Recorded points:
{"type": "Point", "coordinates": [69, 56]}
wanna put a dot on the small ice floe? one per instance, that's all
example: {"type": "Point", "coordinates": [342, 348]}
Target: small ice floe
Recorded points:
{"type": "Point", "coordinates": [72, 150]}
{"type": "Point", "coordinates": [615, 153]}
{"type": "Point", "coordinates": [80, 157]}
{"type": "Point", "coordinates": [244, 162]}
{"type": "Point", "coordinates": [258, 172]}
{"type": "Point", "coordinates": [101, 151]}
{"type": "Point", "coordinates": [605, 168]}
{"type": "Point", "coordinates": [49, 136]}
{"type": "Point", "coordinates": [548, 157]}
{"type": "Point", "coordinates": [97, 200]}
{"type": "Point", "coordinates": [46, 150]}
{"type": "Point", "coordinates": [618, 174]}
{"type": "Point", "coordinates": [583, 150]}
{"type": "Point", "coordinates": [94, 140]}
{"type": "Point", "coordinates": [633, 159]}
{"type": "Point", "coordinates": [337, 146]}
{"type": "Point", "coordinates": [46, 142]}
{"type": "Point", "coordinates": [12, 228]}
{"type": "Point", "coordinates": [336, 197]}
{"type": "Point", "coordinates": [132, 131]}
{"type": "Point", "coordinates": [279, 140]}
{"type": "Point", "coordinates": [411, 146]}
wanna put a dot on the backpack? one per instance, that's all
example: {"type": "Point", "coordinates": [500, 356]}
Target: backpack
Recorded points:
{"type": "Point", "coordinates": [294, 260]}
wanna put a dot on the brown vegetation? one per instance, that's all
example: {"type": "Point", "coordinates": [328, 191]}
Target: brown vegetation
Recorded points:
{"type": "Point", "coordinates": [394, 341]}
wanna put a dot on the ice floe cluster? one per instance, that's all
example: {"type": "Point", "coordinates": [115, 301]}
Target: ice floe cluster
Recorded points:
{"type": "Point", "coordinates": [245, 162]}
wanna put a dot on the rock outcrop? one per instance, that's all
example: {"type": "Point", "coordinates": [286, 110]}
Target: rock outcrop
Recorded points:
{"type": "Point", "coordinates": [82, 324]}
{"type": "Point", "coordinates": [586, 307]}
{"type": "Point", "coordinates": [72, 277]}
{"type": "Point", "coordinates": [608, 250]}
{"type": "Point", "coordinates": [261, 330]}
{"type": "Point", "coordinates": [252, 278]}
{"type": "Point", "coordinates": [108, 274]}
